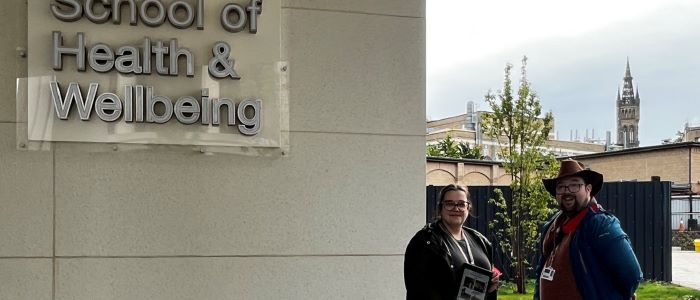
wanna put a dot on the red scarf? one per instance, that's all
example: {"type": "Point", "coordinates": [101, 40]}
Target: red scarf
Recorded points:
{"type": "Point", "coordinates": [571, 224]}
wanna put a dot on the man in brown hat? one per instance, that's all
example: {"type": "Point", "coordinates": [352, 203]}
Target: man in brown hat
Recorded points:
{"type": "Point", "coordinates": [585, 254]}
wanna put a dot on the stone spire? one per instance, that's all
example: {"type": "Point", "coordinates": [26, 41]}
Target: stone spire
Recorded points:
{"type": "Point", "coordinates": [628, 111]}
{"type": "Point", "coordinates": [627, 87]}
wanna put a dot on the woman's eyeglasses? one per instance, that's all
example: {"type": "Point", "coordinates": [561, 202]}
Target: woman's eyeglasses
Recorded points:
{"type": "Point", "coordinates": [459, 205]}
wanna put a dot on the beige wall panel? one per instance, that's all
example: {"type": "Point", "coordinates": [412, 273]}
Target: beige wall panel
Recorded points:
{"type": "Point", "coordinates": [446, 167]}
{"type": "Point", "coordinates": [13, 34]}
{"type": "Point", "coordinates": [476, 175]}
{"type": "Point", "coordinates": [476, 168]}
{"type": "Point", "coordinates": [440, 177]}
{"type": "Point", "coordinates": [355, 72]}
{"type": "Point", "coordinates": [476, 179]}
{"type": "Point", "coordinates": [26, 198]}
{"type": "Point", "coordinates": [441, 173]}
{"type": "Point", "coordinates": [339, 277]}
{"type": "Point", "coordinates": [429, 166]}
{"type": "Point", "coordinates": [411, 8]}
{"type": "Point", "coordinates": [25, 279]}
{"type": "Point", "coordinates": [503, 180]}
{"type": "Point", "coordinates": [449, 167]}
{"type": "Point", "coordinates": [335, 194]}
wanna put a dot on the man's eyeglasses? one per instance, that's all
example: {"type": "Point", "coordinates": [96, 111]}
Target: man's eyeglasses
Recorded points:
{"type": "Point", "coordinates": [572, 188]}
{"type": "Point", "coordinates": [459, 205]}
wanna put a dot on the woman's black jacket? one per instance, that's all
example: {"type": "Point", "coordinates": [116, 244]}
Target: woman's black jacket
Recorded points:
{"type": "Point", "coordinates": [428, 270]}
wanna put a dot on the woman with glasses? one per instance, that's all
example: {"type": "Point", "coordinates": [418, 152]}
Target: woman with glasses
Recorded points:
{"type": "Point", "coordinates": [436, 257]}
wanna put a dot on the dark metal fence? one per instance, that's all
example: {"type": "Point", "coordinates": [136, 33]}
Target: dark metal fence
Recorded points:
{"type": "Point", "coordinates": [644, 210]}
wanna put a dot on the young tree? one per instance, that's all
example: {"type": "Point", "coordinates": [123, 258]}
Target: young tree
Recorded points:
{"type": "Point", "coordinates": [521, 133]}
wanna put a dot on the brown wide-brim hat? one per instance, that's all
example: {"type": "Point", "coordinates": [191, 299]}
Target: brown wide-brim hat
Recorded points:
{"type": "Point", "coordinates": [572, 167]}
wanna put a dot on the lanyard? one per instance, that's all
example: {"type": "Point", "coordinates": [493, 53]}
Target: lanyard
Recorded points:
{"type": "Point", "coordinates": [558, 235]}
{"type": "Point", "coordinates": [470, 259]}
{"type": "Point", "coordinates": [563, 231]}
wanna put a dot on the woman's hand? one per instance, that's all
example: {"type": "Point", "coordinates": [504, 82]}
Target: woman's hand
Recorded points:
{"type": "Point", "coordinates": [495, 279]}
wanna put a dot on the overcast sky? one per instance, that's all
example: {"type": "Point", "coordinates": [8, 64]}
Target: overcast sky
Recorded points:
{"type": "Point", "coordinates": [576, 59]}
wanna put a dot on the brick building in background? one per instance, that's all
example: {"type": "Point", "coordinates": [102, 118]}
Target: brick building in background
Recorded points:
{"type": "Point", "coordinates": [678, 162]}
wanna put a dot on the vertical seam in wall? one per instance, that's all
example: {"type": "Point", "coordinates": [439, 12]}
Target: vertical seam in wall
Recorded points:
{"type": "Point", "coordinates": [53, 196]}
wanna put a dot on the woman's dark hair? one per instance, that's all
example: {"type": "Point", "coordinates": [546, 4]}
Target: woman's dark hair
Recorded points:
{"type": "Point", "coordinates": [443, 192]}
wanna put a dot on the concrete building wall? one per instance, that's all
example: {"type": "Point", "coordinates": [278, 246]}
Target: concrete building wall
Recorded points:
{"type": "Point", "coordinates": [327, 221]}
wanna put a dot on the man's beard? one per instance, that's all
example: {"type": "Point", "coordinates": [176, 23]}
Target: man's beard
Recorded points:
{"type": "Point", "coordinates": [576, 207]}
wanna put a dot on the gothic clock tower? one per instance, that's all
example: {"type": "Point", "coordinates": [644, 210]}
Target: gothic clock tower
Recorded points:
{"type": "Point", "coordinates": [628, 112]}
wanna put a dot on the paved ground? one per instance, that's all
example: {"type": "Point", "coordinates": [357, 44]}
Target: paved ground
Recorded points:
{"type": "Point", "coordinates": [686, 268]}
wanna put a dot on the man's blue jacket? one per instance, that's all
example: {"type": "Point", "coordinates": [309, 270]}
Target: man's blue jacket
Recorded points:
{"type": "Point", "coordinates": [602, 259]}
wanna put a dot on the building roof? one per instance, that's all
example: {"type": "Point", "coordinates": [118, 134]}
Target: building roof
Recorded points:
{"type": "Point", "coordinates": [447, 119]}
{"type": "Point", "coordinates": [464, 160]}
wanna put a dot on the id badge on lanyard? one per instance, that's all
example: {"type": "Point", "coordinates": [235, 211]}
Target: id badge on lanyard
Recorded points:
{"type": "Point", "coordinates": [548, 273]}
